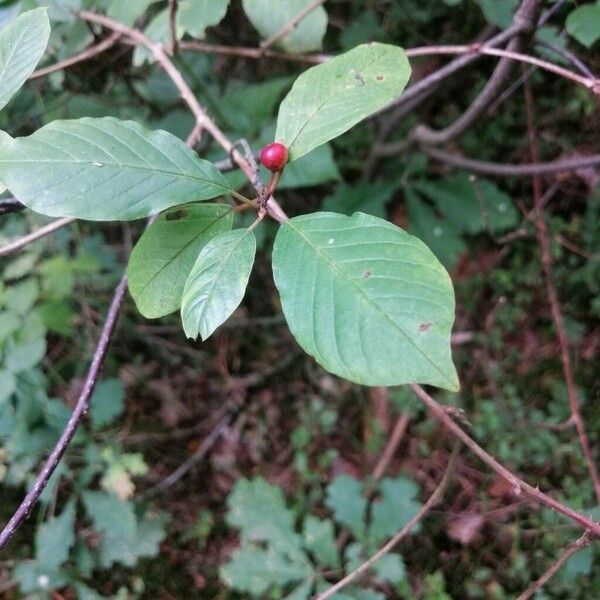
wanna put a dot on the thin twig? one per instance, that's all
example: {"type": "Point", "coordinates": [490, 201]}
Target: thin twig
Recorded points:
{"type": "Point", "coordinates": [505, 170]}
{"type": "Point", "coordinates": [426, 86]}
{"type": "Point", "coordinates": [78, 413]}
{"type": "Point", "coordinates": [563, 341]}
{"type": "Point", "coordinates": [82, 56]}
{"type": "Point", "coordinates": [398, 537]}
{"type": "Point", "coordinates": [289, 26]}
{"type": "Point", "coordinates": [566, 54]}
{"type": "Point", "coordinates": [391, 446]}
{"type": "Point", "coordinates": [173, 26]}
{"type": "Point", "coordinates": [194, 137]}
{"type": "Point", "coordinates": [247, 52]}
{"type": "Point", "coordinates": [21, 242]}
{"type": "Point", "coordinates": [591, 83]}
{"type": "Point", "coordinates": [207, 443]}
{"type": "Point", "coordinates": [519, 486]}
{"type": "Point", "coordinates": [571, 549]}
{"type": "Point", "coordinates": [423, 134]}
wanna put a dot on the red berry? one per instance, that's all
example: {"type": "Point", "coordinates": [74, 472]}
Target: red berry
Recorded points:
{"type": "Point", "coordinates": [274, 156]}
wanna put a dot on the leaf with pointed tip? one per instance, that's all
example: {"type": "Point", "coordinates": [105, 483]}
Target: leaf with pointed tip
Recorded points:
{"type": "Point", "coordinates": [217, 282]}
{"type": "Point", "coordinates": [327, 100]}
{"type": "Point", "coordinates": [22, 44]}
{"type": "Point", "coordinates": [165, 254]}
{"type": "Point", "coordinates": [370, 302]}
{"type": "Point", "coordinates": [105, 170]}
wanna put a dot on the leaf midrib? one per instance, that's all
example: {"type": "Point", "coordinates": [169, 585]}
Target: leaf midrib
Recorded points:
{"type": "Point", "coordinates": [118, 165]}
{"type": "Point", "coordinates": [213, 283]}
{"type": "Point", "coordinates": [370, 301]}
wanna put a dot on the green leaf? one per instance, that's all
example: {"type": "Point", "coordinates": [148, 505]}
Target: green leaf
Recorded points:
{"type": "Point", "coordinates": [363, 196]}
{"type": "Point", "coordinates": [32, 577]}
{"type": "Point", "coordinates": [107, 403]}
{"type": "Point", "coordinates": [583, 24]}
{"type": "Point", "coordinates": [315, 168]}
{"type": "Point", "coordinates": [246, 107]}
{"type": "Point", "coordinates": [105, 170]}
{"type": "Point", "coordinates": [471, 206]}
{"type": "Point", "coordinates": [345, 498]}
{"type": "Point", "coordinates": [8, 385]}
{"type": "Point", "coordinates": [54, 539]}
{"type": "Point", "coordinates": [258, 509]}
{"type": "Point", "coordinates": [165, 254]}
{"type": "Point", "coordinates": [128, 12]}
{"type": "Point", "coordinates": [125, 538]}
{"type": "Point", "coordinates": [319, 538]}
{"type": "Point", "coordinates": [217, 283]}
{"type": "Point", "coordinates": [390, 569]}
{"type": "Point", "coordinates": [193, 17]}
{"type": "Point", "coordinates": [269, 17]}
{"type": "Point", "coordinates": [396, 506]}
{"type": "Point", "coordinates": [370, 302]}
{"type": "Point", "coordinates": [580, 563]}
{"type": "Point", "coordinates": [328, 99]}
{"type": "Point", "coordinates": [22, 44]}
{"type": "Point", "coordinates": [498, 12]}
{"type": "Point", "coordinates": [438, 234]}
{"type": "Point", "coordinates": [254, 570]}
{"type": "Point", "coordinates": [302, 592]}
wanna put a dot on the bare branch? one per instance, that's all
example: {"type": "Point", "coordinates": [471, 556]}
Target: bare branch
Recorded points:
{"type": "Point", "coordinates": [519, 486]}
{"type": "Point", "coordinates": [398, 537]}
{"type": "Point", "coordinates": [505, 170]}
{"type": "Point", "coordinates": [246, 52]}
{"type": "Point", "coordinates": [173, 26]}
{"type": "Point", "coordinates": [425, 135]}
{"type": "Point", "coordinates": [563, 341]}
{"type": "Point", "coordinates": [78, 413]}
{"type": "Point", "coordinates": [391, 446]}
{"type": "Point", "coordinates": [207, 443]}
{"type": "Point", "coordinates": [289, 26]}
{"type": "Point", "coordinates": [571, 549]}
{"type": "Point", "coordinates": [21, 242]}
{"type": "Point", "coordinates": [82, 56]}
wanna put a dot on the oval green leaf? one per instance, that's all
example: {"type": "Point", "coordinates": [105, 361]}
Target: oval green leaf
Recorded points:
{"type": "Point", "coordinates": [217, 282]}
{"type": "Point", "coordinates": [270, 17]}
{"type": "Point", "coordinates": [22, 44]}
{"type": "Point", "coordinates": [370, 302]}
{"type": "Point", "coordinates": [105, 170]}
{"type": "Point", "coordinates": [165, 254]}
{"type": "Point", "coordinates": [327, 100]}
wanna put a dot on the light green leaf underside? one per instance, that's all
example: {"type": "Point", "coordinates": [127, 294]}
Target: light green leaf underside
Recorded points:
{"type": "Point", "coordinates": [328, 99]}
{"type": "Point", "coordinates": [217, 282]}
{"type": "Point", "coordinates": [22, 44]}
{"type": "Point", "coordinates": [165, 254]}
{"type": "Point", "coordinates": [104, 170]}
{"type": "Point", "coordinates": [269, 17]}
{"type": "Point", "coordinates": [370, 302]}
